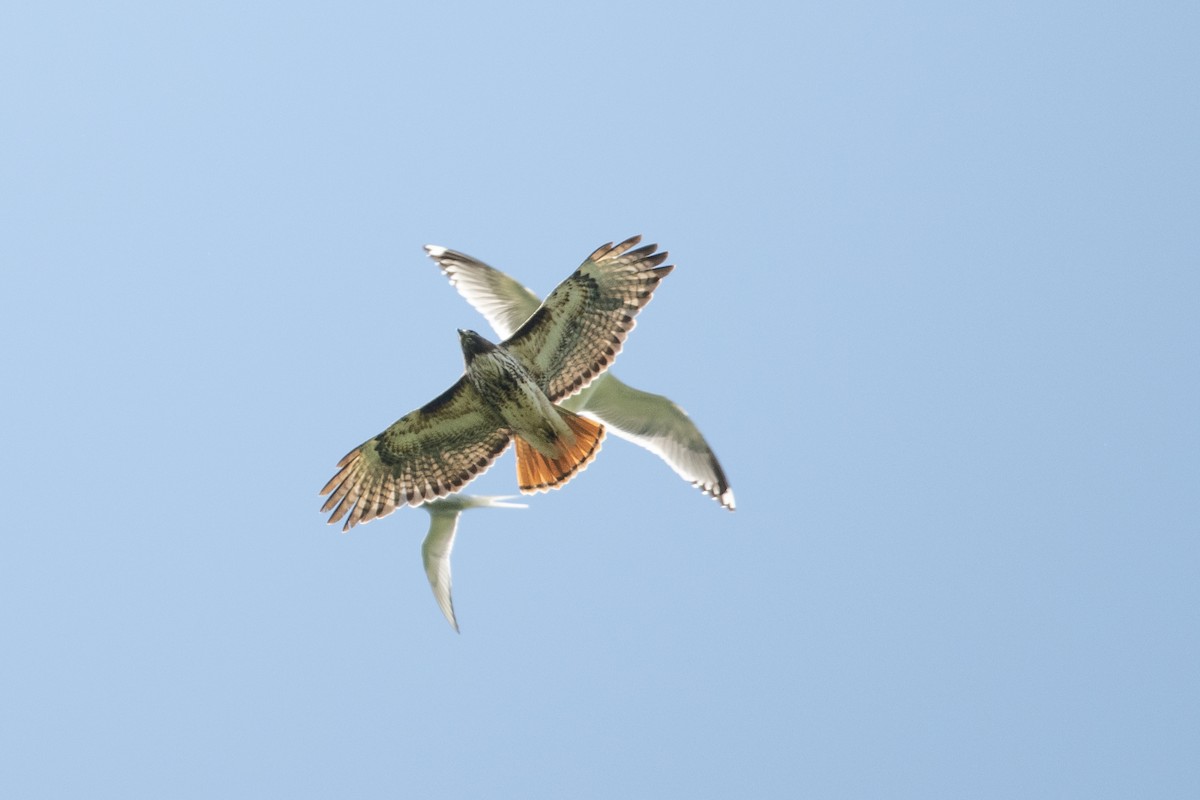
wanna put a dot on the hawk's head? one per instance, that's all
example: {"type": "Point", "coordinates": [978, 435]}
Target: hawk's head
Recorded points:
{"type": "Point", "coordinates": [473, 344]}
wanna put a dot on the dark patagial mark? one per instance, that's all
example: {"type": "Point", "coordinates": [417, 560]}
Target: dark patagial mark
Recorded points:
{"type": "Point", "coordinates": [443, 399]}
{"type": "Point", "coordinates": [536, 319]}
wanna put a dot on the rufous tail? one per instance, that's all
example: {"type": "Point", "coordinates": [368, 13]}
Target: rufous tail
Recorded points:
{"type": "Point", "coordinates": [537, 473]}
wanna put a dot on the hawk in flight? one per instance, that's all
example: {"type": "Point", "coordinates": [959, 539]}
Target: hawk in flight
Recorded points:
{"type": "Point", "coordinates": [648, 420]}
{"type": "Point", "coordinates": [509, 391]}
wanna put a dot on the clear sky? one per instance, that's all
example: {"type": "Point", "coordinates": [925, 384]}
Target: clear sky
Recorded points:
{"type": "Point", "coordinates": [936, 307]}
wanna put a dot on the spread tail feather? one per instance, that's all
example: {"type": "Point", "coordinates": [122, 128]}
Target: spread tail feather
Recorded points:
{"type": "Point", "coordinates": [538, 473]}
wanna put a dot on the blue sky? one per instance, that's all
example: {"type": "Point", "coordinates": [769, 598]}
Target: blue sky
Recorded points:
{"type": "Point", "coordinates": [935, 308]}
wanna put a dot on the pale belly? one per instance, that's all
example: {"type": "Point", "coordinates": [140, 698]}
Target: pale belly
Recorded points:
{"type": "Point", "coordinates": [526, 410]}
{"type": "Point", "coordinates": [531, 415]}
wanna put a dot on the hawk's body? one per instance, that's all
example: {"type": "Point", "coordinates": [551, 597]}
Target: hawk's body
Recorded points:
{"type": "Point", "coordinates": [552, 443]}
{"type": "Point", "coordinates": [507, 386]}
{"type": "Point", "coordinates": [509, 391]}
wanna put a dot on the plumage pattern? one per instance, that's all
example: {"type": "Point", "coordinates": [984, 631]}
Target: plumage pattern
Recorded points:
{"type": "Point", "coordinates": [439, 543]}
{"type": "Point", "coordinates": [508, 390]}
{"type": "Point", "coordinates": [651, 421]}
{"type": "Point", "coordinates": [579, 329]}
{"type": "Point", "coordinates": [429, 453]}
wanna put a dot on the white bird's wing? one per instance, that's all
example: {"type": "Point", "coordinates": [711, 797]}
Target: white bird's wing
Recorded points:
{"type": "Point", "coordinates": [504, 302]}
{"type": "Point", "coordinates": [655, 423]}
{"type": "Point", "coordinates": [439, 543]}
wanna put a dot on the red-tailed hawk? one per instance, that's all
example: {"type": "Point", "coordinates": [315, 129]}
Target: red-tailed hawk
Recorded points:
{"type": "Point", "coordinates": [508, 391]}
{"type": "Point", "coordinates": [648, 420]}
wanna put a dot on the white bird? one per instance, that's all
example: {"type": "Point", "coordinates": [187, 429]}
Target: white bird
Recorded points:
{"type": "Point", "coordinates": [648, 420]}
{"type": "Point", "coordinates": [439, 542]}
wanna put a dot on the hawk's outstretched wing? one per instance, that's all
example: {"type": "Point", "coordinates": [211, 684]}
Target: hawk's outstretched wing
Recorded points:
{"type": "Point", "coordinates": [648, 420]}
{"type": "Point", "coordinates": [439, 542]}
{"type": "Point", "coordinates": [504, 303]}
{"type": "Point", "coordinates": [578, 331]}
{"type": "Point", "coordinates": [429, 453]}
